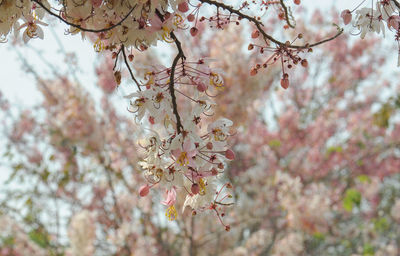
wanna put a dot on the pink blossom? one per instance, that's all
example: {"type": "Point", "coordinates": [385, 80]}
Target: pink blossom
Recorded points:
{"type": "Point", "coordinates": [346, 16]}
{"type": "Point", "coordinates": [144, 190]}
{"type": "Point", "coordinates": [170, 197]}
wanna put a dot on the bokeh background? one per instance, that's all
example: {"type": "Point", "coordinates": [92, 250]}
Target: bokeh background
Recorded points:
{"type": "Point", "coordinates": [317, 168]}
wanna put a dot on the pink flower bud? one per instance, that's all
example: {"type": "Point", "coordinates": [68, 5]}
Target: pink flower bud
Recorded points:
{"type": "Point", "coordinates": [183, 7]}
{"type": "Point", "coordinates": [285, 82]}
{"type": "Point", "coordinates": [229, 154]}
{"type": "Point", "coordinates": [151, 119]}
{"type": "Point", "coordinates": [195, 188]}
{"type": "Point", "coordinates": [191, 17]}
{"type": "Point", "coordinates": [255, 34]}
{"type": "Point", "coordinates": [393, 22]}
{"type": "Point", "coordinates": [201, 87]}
{"type": "Point", "coordinates": [346, 16]}
{"type": "Point", "coordinates": [96, 3]}
{"type": "Point", "coordinates": [194, 31]}
{"type": "Point", "coordinates": [304, 63]}
{"type": "Point", "coordinates": [297, 2]}
{"type": "Point", "coordinates": [209, 145]}
{"type": "Point", "coordinates": [144, 190]}
{"type": "Point", "coordinates": [253, 72]}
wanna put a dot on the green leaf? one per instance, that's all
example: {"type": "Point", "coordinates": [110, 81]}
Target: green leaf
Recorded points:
{"type": "Point", "coordinates": [368, 250]}
{"type": "Point", "coordinates": [382, 117]}
{"type": "Point", "coordinates": [274, 143]}
{"type": "Point", "coordinates": [334, 149]}
{"type": "Point", "coordinates": [381, 224]}
{"type": "Point", "coordinates": [364, 178]}
{"type": "Point", "coordinates": [40, 237]}
{"type": "Point", "coordinates": [352, 198]}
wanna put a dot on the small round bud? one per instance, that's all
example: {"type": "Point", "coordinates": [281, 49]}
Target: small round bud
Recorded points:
{"type": "Point", "coordinates": [195, 188]}
{"type": "Point", "coordinates": [229, 154]}
{"type": "Point", "coordinates": [191, 17]}
{"type": "Point", "coordinates": [183, 7]}
{"type": "Point", "coordinates": [253, 72]}
{"type": "Point", "coordinates": [304, 63]}
{"type": "Point", "coordinates": [221, 166]}
{"type": "Point", "coordinates": [346, 16]}
{"type": "Point", "coordinates": [201, 87]}
{"type": "Point", "coordinates": [144, 190]}
{"type": "Point", "coordinates": [194, 31]}
{"type": "Point", "coordinates": [285, 83]}
{"type": "Point", "coordinates": [227, 228]}
{"type": "Point", "coordinates": [130, 57]}
{"type": "Point", "coordinates": [209, 145]}
{"type": "Point", "coordinates": [117, 77]}
{"type": "Point", "coordinates": [250, 47]}
{"type": "Point", "coordinates": [296, 2]}
{"type": "Point", "coordinates": [255, 34]}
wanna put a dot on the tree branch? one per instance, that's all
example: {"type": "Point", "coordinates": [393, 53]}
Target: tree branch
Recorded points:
{"type": "Point", "coordinates": [396, 3]}
{"type": "Point", "coordinates": [79, 27]}
{"type": "Point", "coordinates": [129, 68]}
{"type": "Point", "coordinates": [259, 26]}
{"type": "Point", "coordinates": [180, 55]}
{"type": "Point", "coordinates": [286, 11]}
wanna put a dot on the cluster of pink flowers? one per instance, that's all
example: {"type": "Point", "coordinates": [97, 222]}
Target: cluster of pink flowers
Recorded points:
{"type": "Point", "coordinates": [189, 157]}
{"type": "Point", "coordinates": [373, 19]}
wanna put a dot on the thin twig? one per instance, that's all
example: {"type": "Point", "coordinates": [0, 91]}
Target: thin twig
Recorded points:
{"type": "Point", "coordinates": [286, 11]}
{"type": "Point", "coordinates": [82, 28]}
{"type": "Point", "coordinates": [259, 26]}
{"type": "Point", "coordinates": [180, 55]}
{"type": "Point", "coordinates": [129, 68]}
{"type": "Point", "coordinates": [396, 3]}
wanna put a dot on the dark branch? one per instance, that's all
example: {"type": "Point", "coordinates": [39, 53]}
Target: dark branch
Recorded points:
{"type": "Point", "coordinates": [180, 55]}
{"type": "Point", "coordinates": [259, 26]}
{"type": "Point", "coordinates": [286, 11]}
{"type": "Point", "coordinates": [396, 3]}
{"type": "Point", "coordinates": [79, 27]}
{"type": "Point", "coordinates": [129, 68]}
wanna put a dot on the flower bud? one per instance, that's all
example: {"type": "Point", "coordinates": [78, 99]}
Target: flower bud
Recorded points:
{"type": "Point", "coordinates": [229, 154]}
{"type": "Point", "coordinates": [194, 31]}
{"type": "Point", "coordinates": [191, 17]}
{"type": "Point", "coordinates": [183, 7]}
{"type": "Point", "coordinates": [209, 145]}
{"type": "Point", "coordinates": [304, 63]}
{"type": "Point", "coordinates": [96, 3]}
{"type": "Point", "coordinates": [346, 16]}
{"type": "Point", "coordinates": [285, 81]}
{"type": "Point", "coordinates": [144, 190]}
{"type": "Point", "coordinates": [253, 72]}
{"type": "Point", "coordinates": [393, 22]}
{"type": "Point", "coordinates": [297, 2]}
{"type": "Point", "coordinates": [255, 34]}
{"type": "Point", "coordinates": [195, 188]}
{"type": "Point", "coordinates": [117, 77]}
{"type": "Point", "coordinates": [201, 87]}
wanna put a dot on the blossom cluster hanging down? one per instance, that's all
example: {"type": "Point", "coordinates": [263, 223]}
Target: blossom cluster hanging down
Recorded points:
{"type": "Point", "coordinates": [185, 157]}
{"type": "Point", "coordinates": [373, 19]}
